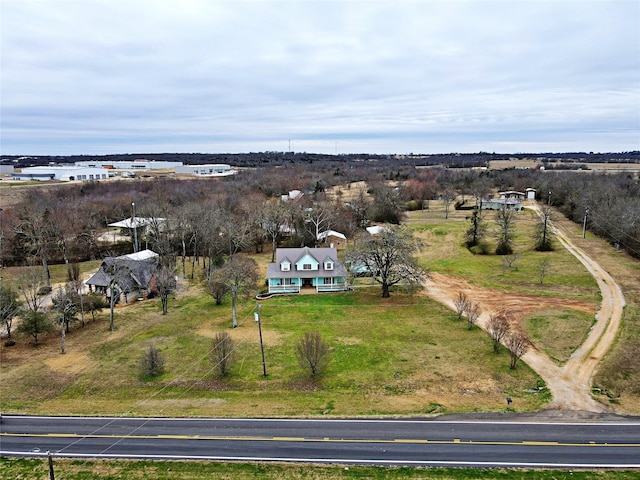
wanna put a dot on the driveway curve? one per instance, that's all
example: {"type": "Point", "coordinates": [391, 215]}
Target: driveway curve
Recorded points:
{"type": "Point", "coordinates": [569, 384]}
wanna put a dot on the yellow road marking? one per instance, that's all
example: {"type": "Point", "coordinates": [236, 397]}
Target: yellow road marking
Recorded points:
{"type": "Point", "coordinates": [416, 441]}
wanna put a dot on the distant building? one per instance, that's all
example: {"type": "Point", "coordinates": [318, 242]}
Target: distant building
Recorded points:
{"type": "Point", "coordinates": [512, 195]}
{"type": "Point", "coordinates": [498, 203]}
{"type": "Point", "coordinates": [531, 193]}
{"type": "Point", "coordinates": [65, 174]}
{"type": "Point", "coordinates": [140, 164]}
{"type": "Point", "coordinates": [208, 170]}
{"type": "Point", "coordinates": [292, 195]}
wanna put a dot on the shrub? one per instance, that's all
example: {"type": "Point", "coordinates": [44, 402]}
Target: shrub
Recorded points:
{"type": "Point", "coordinates": [151, 363]}
{"type": "Point", "coordinates": [222, 353]}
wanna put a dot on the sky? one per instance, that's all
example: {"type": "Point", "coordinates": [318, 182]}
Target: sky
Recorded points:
{"type": "Point", "coordinates": [99, 77]}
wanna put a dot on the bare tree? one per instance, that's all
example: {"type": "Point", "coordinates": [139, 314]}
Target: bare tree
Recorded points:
{"type": "Point", "coordinates": [166, 283]}
{"type": "Point", "coordinates": [505, 221]}
{"type": "Point", "coordinates": [115, 270]}
{"type": "Point", "coordinates": [9, 306]}
{"type": "Point", "coordinates": [389, 257]}
{"type": "Point", "coordinates": [217, 288]}
{"type": "Point", "coordinates": [543, 268]}
{"type": "Point", "coordinates": [543, 233]}
{"type": "Point", "coordinates": [34, 227]}
{"type": "Point", "coordinates": [497, 328]}
{"type": "Point", "coordinates": [274, 218]}
{"type": "Point", "coordinates": [65, 305]}
{"type": "Point", "coordinates": [509, 261]}
{"type": "Point", "coordinates": [239, 274]}
{"type": "Point", "coordinates": [222, 353]}
{"type": "Point", "coordinates": [448, 196]}
{"type": "Point", "coordinates": [312, 353]}
{"type": "Point", "coordinates": [473, 313]}
{"type": "Point", "coordinates": [30, 282]}
{"type": "Point", "coordinates": [461, 302]}
{"type": "Point", "coordinates": [317, 219]}
{"type": "Point", "coordinates": [518, 344]}
{"type": "Point", "coordinates": [361, 208]}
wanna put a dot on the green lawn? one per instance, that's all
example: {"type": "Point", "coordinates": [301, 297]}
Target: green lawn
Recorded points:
{"type": "Point", "coordinates": [36, 469]}
{"type": "Point", "coordinates": [405, 355]}
{"type": "Point", "coordinates": [444, 252]}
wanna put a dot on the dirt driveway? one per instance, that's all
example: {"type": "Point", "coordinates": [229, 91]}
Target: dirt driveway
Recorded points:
{"type": "Point", "coordinates": [569, 384]}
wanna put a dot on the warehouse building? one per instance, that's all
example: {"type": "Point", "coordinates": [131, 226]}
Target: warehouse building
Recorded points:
{"type": "Point", "coordinates": [64, 174]}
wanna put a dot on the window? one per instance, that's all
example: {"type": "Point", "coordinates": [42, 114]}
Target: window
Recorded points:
{"type": "Point", "coordinates": [285, 266]}
{"type": "Point", "coordinates": [328, 281]}
{"type": "Point", "coordinates": [328, 265]}
{"type": "Point", "coordinates": [306, 266]}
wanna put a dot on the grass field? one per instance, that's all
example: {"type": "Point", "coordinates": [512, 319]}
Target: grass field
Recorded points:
{"type": "Point", "coordinates": [36, 469]}
{"type": "Point", "coordinates": [406, 355]}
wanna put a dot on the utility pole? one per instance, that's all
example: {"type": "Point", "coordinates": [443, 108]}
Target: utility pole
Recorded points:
{"type": "Point", "coordinates": [135, 230]}
{"type": "Point", "coordinates": [52, 475]}
{"type": "Point", "coordinates": [584, 223]}
{"type": "Point", "coordinates": [549, 202]}
{"type": "Point", "coordinates": [256, 316]}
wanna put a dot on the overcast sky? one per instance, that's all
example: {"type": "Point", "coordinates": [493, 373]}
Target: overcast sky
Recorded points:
{"type": "Point", "coordinates": [143, 76]}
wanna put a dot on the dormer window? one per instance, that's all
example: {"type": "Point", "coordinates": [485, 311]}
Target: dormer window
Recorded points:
{"type": "Point", "coordinates": [285, 266]}
{"type": "Point", "coordinates": [328, 265]}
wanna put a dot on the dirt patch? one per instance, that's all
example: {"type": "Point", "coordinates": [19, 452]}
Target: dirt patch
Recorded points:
{"type": "Point", "coordinates": [70, 363]}
{"type": "Point", "coordinates": [492, 301]}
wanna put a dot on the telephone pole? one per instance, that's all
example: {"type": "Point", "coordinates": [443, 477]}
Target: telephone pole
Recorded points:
{"type": "Point", "coordinates": [256, 316]}
{"type": "Point", "coordinates": [52, 475]}
{"type": "Point", "coordinates": [584, 223]}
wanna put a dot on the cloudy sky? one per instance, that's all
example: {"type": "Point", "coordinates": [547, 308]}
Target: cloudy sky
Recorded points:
{"type": "Point", "coordinates": [143, 76]}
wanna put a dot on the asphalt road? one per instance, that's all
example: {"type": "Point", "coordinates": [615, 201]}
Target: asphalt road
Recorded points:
{"type": "Point", "coordinates": [431, 442]}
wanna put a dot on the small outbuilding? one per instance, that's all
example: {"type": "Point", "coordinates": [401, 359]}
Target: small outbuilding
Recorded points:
{"type": "Point", "coordinates": [531, 193]}
{"type": "Point", "coordinates": [333, 239]}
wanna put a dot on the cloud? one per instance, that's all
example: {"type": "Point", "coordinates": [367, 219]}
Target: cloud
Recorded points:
{"type": "Point", "coordinates": [380, 76]}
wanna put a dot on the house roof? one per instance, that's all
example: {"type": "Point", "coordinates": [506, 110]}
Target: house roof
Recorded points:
{"type": "Point", "coordinates": [136, 222]}
{"type": "Point", "coordinates": [376, 229]}
{"type": "Point", "coordinates": [330, 233]}
{"type": "Point", "coordinates": [282, 254]}
{"type": "Point", "coordinates": [129, 273]}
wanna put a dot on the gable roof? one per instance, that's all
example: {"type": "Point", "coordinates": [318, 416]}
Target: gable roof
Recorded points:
{"type": "Point", "coordinates": [129, 273]}
{"type": "Point", "coordinates": [282, 254]}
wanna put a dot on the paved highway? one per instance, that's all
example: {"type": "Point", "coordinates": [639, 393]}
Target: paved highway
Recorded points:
{"type": "Point", "coordinates": [433, 442]}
